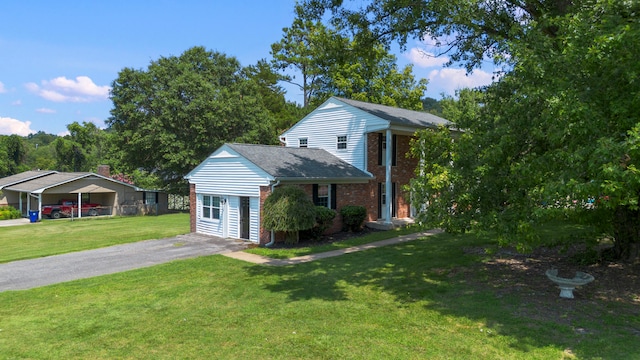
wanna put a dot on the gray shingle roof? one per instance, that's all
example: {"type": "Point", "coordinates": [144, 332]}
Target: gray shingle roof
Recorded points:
{"type": "Point", "coordinates": [42, 183]}
{"type": "Point", "coordinates": [399, 116]}
{"type": "Point", "coordinates": [303, 164]}
{"type": "Point", "coordinates": [24, 176]}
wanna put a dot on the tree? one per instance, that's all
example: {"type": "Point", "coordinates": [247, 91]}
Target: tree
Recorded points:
{"type": "Point", "coordinates": [333, 64]}
{"type": "Point", "coordinates": [288, 209]}
{"type": "Point", "coordinates": [12, 155]}
{"type": "Point", "coordinates": [558, 131]}
{"type": "Point", "coordinates": [168, 118]}
{"type": "Point", "coordinates": [285, 113]}
{"type": "Point", "coordinates": [81, 150]}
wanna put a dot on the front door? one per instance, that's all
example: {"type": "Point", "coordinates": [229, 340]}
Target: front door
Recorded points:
{"type": "Point", "coordinates": [244, 218]}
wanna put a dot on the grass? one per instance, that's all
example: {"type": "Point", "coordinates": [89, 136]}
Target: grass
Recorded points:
{"type": "Point", "coordinates": [62, 236]}
{"type": "Point", "coordinates": [407, 301]}
{"type": "Point", "coordinates": [287, 253]}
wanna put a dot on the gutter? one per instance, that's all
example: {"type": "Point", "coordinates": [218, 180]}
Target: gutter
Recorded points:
{"type": "Point", "coordinates": [273, 233]}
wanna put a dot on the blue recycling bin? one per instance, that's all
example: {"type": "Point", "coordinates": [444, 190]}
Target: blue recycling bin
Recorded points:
{"type": "Point", "coordinates": [33, 216]}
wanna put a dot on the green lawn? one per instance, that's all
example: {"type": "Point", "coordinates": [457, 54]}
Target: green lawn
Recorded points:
{"type": "Point", "coordinates": [407, 301]}
{"type": "Point", "coordinates": [61, 236]}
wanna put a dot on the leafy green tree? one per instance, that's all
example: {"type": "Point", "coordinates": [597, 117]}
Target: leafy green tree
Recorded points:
{"type": "Point", "coordinates": [557, 136]}
{"type": "Point", "coordinates": [285, 113]}
{"type": "Point", "coordinates": [12, 154]}
{"type": "Point", "coordinates": [304, 47]}
{"type": "Point", "coordinates": [333, 64]}
{"type": "Point", "coordinates": [288, 209]}
{"type": "Point", "coordinates": [82, 149]}
{"type": "Point", "coordinates": [166, 119]}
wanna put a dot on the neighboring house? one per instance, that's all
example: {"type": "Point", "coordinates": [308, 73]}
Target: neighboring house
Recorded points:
{"type": "Point", "coordinates": [31, 190]}
{"type": "Point", "coordinates": [338, 154]}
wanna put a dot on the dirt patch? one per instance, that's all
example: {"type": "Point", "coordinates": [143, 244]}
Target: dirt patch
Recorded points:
{"type": "Point", "coordinates": [616, 288]}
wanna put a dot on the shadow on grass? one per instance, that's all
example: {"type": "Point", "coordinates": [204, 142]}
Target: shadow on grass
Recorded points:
{"type": "Point", "coordinates": [439, 273]}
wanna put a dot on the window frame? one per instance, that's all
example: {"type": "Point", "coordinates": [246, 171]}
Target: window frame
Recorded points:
{"type": "Point", "coordinates": [305, 140]}
{"type": "Point", "coordinates": [341, 142]}
{"type": "Point", "coordinates": [210, 211]}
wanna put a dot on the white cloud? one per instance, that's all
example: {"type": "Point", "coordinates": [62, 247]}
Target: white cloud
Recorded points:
{"type": "Point", "coordinates": [61, 89]}
{"type": "Point", "coordinates": [9, 126]}
{"type": "Point", "coordinates": [17, 103]}
{"type": "Point", "coordinates": [2, 88]}
{"type": "Point", "coordinates": [450, 79]}
{"type": "Point", "coordinates": [425, 59]}
{"type": "Point", "coordinates": [46, 111]}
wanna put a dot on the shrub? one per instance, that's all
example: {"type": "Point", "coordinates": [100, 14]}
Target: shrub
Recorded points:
{"type": "Point", "coordinates": [9, 212]}
{"type": "Point", "coordinates": [324, 220]}
{"type": "Point", "coordinates": [288, 209]}
{"type": "Point", "coordinates": [352, 217]}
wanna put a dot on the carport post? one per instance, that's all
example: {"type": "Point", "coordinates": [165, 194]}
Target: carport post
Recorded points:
{"type": "Point", "coordinates": [39, 207]}
{"type": "Point", "coordinates": [79, 206]}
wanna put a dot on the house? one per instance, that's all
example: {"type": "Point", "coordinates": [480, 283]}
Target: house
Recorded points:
{"type": "Point", "coordinates": [345, 152]}
{"type": "Point", "coordinates": [30, 190]}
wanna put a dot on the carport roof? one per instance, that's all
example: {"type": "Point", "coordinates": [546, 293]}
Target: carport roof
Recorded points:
{"type": "Point", "coordinates": [23, 176]}
{"type": "Point", "coordinates": [54, 178]}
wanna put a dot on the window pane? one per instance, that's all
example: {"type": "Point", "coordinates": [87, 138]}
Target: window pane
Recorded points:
{"type": "Point", "coordinates": [323, 190]}
{"type": "Point", "coordinates": [216, 214]}
{"type": "Point", "coordinates": [206, 200]}
{"type": "Point", "coordinates": [206, 212]}
{"type": "Point", "coordinates": [216, 201]}
{"type": "Point", "coordinates": [342, 142]}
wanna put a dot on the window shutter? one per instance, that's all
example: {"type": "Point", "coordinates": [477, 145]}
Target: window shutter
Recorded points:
{"type": "Point", "coordinates": [380, 155]}
{"type": "Point", "coordinates": [315, 194]}
{"type": "Point", "coordinates": [394, 150]}
{"type": "Point", "coordinates": [334, 189]}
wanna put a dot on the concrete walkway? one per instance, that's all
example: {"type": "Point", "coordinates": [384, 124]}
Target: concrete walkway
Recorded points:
{"type": "Point", "coordinates": [263, 260]}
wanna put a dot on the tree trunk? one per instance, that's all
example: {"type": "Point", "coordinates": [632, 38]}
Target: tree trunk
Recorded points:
{"type": "Point", "coordinates": [626, 245]}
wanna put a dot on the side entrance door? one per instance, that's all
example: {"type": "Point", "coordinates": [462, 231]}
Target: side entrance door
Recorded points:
{"type": "Point", "coordinates": [245, 218]}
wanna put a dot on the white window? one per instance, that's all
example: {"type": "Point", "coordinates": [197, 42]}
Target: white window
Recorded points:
{"type": "Point", "coordinates": [342, 142]}
{"type": "Point", "coordinates": [211, 207]}
{"type": "Point", "coordinates": [303, 142]}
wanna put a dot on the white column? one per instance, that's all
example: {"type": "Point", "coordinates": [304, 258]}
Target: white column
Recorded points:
{"type": "Point", "coordinates": [79, 206]}
{"type": "Point", "coordinates": [388, 189]}
{"type": "Point", "coordinates": [39, 206]}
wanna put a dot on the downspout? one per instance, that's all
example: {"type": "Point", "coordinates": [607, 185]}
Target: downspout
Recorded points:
{"type": "Point", "coordinates": [273, 233]}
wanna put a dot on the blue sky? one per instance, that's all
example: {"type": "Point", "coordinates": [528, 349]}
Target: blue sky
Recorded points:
{"type": "Point", "coordinates": [60, 57]}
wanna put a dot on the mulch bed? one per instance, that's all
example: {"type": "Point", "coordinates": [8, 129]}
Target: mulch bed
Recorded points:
{"type": "Point", "coordinates": [616, 285]}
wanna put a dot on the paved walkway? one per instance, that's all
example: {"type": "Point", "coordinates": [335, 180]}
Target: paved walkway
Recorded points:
{"type": "Point", "coordinates": [258, 259]}
{"type": "Point", "coordinates": [28, 274]}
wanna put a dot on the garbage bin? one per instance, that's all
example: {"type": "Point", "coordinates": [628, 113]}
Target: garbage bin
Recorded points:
{"type": "Point", "coordinates": [33, 216]}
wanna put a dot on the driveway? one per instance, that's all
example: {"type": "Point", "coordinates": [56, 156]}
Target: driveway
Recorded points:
{"type": "Point", "coordinates": [27, 274]}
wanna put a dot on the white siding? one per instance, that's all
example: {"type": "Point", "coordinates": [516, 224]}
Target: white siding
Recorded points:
{"type": "Point", "coordinates": [335, 118]}
{"type": "Point", "coordinates": [208, 226]}
{"type": "Point", "coordinates": [234, 217]}
{"type": "Point", "coordinates": [230, 176]}
{"type": "Point", "coordinates": [254, 214]}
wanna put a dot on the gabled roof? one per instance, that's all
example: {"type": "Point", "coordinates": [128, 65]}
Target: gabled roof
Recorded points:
{"type": "Point", "coordinates": [36, 185]}
{"type": "Point", "coordinates": [398, 116]}
{"type": "Point", "coordinates": [23, 176]}
{"type": "Point", "coordinates": [300, 164]}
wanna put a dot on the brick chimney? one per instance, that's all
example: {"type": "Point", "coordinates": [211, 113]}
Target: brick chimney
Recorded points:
{"type": "Point", "coordinates": [104, 170]}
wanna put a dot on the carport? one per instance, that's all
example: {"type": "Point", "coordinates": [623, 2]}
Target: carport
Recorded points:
{"type": "Point", "coordinates": [50, 188]}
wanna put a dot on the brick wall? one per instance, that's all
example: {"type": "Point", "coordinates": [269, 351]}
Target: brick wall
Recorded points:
{"type": "Point", "coordinates": [265, 235]}
{"type": "Point", "coordinates": [400, 174]}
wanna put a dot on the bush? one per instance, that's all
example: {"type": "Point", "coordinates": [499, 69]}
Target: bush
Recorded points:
{"type": "Point", "coordinates": [352, 217]}
{"type": "Point", "coordinates": [9, 212]}
{"type": "Point", "coordinates": [288, 209]}
{"type": "Point", "coordinates": [324, 220]}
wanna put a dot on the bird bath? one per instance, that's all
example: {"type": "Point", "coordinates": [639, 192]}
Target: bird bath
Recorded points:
{"type": "Point", "coordinates": [567, 285]}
